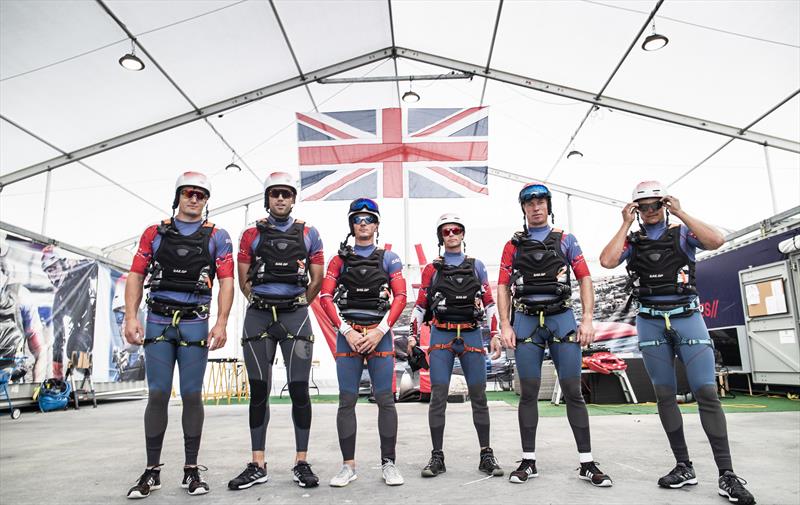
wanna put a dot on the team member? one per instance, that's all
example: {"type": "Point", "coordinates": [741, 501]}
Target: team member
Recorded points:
{"type": "Point", "coordinates": [661, 265]}
{"type": "Point", "coordinates": [359, 281]}
{"type": "Point", "coordinates": [280, 272]}
{"type": "Point", "coordinates": [535, 271]}
{"type": "Point", "coordinates": [454, 299]}
{"type": "Point", "coordinates": [181, 256]}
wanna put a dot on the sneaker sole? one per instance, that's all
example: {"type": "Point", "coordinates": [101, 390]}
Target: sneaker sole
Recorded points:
{"type": "Point", "coordinates": [199, 491]}
{"type": "Point", "coordinates": [394, 483]}
{"type": "Point", "coordinates": [690, 482]}
{"type": "Point", "coordinates": [303, 484]}
{"type": "Point", "coordinates": [260, 480]}
{"type": "Point", "coordinates": [430, 473]}
{"type": "Point", "coordinates": [605, 483]}
{"type": "Point", "coordinates": [351, 479]}
{"type": "Point", "coordinates": [516, 480]}
{"type": "Point", "coordinates": [138, 496]}
{"type": "Point", "coordinates": [725, 494]}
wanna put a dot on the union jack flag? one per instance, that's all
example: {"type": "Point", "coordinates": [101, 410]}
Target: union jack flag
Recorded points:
{"type": "Point", "coordinates": [435, 153]}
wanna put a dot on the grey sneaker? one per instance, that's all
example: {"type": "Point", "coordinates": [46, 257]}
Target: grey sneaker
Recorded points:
{"type": "Point", "coordinates": [391, 475]}
{"type": "Point", "coordinates": [345, 476]}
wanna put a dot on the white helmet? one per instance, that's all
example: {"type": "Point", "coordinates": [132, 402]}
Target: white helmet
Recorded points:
{"type": "Point", "coordinates": [280, 179]}
{"type": "Point", "coordinates": [648, 189]}
{"type": "Point", "coordinates": [444, 219]}
{"type": "Point", "coordinates": [195, 179]}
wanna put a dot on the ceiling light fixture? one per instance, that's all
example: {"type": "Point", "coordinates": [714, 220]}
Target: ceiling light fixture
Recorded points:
{"type": "Point", "coordinates": [575, 154]}
{"type": "Point", "coordinates": [130, 61]}
{"type": "Point", "coordinates": [232, 165]}
{"type": "Point", "coordinates": [654, 41]}
{"type": "Point", "coordinates": [410, 97]}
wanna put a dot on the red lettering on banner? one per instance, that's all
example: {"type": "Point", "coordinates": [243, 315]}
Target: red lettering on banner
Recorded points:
{"type": "Point", "coordinates": [710, 309]}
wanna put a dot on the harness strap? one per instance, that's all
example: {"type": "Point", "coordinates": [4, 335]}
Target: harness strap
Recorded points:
{"type": "Point", "coordinates": [457, 339]}
{"type": "Point", "coordinates": [267, 333]}
{"type": "Point", "coordinates": [353, 354]}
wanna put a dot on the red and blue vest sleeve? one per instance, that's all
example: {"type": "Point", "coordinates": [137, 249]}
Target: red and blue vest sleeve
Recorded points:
{"type": "Point", "coordinates": [394, 267]}
{"type": "Point", "coordinates": [427, 279]}
{"type": "Point", "coordinates": [329, 284]}
{"type": "Point", "coordinates": [221, 244]}
{"type": "Point", "coordinates": [145, 251]}
{"type": "Point", "coordinates": [572, 250]}
{"type": "Point", "coordinates": [314, 246]}
{"type": "Point", "coordinates": [506, 260]}
{"type": "Point", "coordinates": [246, 245]}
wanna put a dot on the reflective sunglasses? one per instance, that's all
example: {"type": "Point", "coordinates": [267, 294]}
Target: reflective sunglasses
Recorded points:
{"type": "Point", "coordinates": [649, 207]}
{"type": "Point", "coordinates": [446, 232]}
{"type": "Point", "coordinates": [535, 191]}
{"type": "Point", "coordinates": [364, 204]}
{"type": "Point", "coordinates": [194, 193]}
{"type": "Point", "coordinates": [365, 219]}
{"type": "Point", "coordinates": [280, 193]}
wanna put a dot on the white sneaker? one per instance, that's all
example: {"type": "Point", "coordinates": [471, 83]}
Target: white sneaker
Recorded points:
{"type": "Point", "coordinates": [391, 475]}
{"type": "Point", "coordinates": [345, 476]}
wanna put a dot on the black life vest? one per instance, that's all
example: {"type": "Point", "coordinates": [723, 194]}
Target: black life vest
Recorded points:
{"type": "Point", "coordinates": [541, 268]}
{"type": "Point", "coordinates": [12, 332]}
{"type": "Point", "coordinates": [281, 256]}
{"type": "Point", "coordinates": [363, 292]}
{"type": "Point", "coordinates": [454, 292]}
{"type": "Point", "coordinates": [660, 266]}
{"type": "Point", "coordinates": [183, 262]}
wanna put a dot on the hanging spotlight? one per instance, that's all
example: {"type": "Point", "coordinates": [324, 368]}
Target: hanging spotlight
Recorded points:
{"type": "Point", "coordinates": [130, 61]}
{"type": "Point", "coordinates": [654, 41]}
{"type": "Point", "coordinates": [410, 97]}
{"type": "Point", "coordinates": [575, 154]}
{"type": "Point", "coordinates": [232, 165]}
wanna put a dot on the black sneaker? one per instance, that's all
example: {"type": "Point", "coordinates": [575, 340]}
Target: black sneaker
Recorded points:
{"type": "Point", "coordinates": [489, 464]}
{"type": "Point", "coordinates": [252, 475]}
{"type": "Point", "coordinates": [681, 475]}
{"type": "Point", "coordinates": [732, 487]}
{"type": "Point", "coordinates": [435, 466]}
{"type": "Point", "coordinates": [590, 472]}
{"type": "Point", "coordinates": [302, 474]}
{"type": "Point", "coordinates": [526, 468]}
{"type": "Point", "coordinates": [150, 480]}
{"type": "Point", "coordinates": [192, 482]}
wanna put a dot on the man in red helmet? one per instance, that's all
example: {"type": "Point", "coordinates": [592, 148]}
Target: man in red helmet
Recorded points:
{"type": "Point", "coordinates": [535, 286]}
{"type": "Point", "coordinates": [179, 258]}
{"type": "Point", "coordinates": [280, 266]}
{"type": "Point", "coordinates": [661, 267]}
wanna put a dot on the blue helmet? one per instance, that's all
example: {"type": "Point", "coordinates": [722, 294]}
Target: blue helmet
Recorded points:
{"type": "Point", "coordinates": [536, 190]}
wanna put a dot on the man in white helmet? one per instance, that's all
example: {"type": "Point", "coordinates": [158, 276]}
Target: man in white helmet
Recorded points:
{"type": "Point", "coordinates": [454, 299]}
{"type": "Point", "coordinates": [280, 267]}
{"type": "Point", "coordinates": [180, 257]}
{"type": "Point", "coordinates": [661, 267]}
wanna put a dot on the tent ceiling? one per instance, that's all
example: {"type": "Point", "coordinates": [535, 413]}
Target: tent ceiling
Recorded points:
{"type": "Point", "coordinates": [715, 67]}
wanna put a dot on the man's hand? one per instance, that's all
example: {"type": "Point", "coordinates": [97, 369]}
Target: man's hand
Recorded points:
{"type": "Point", "coordinates": [508, 335]}
{"type": "Point", "coordinates": [133, 331]}
{"type": "Point", "coordinates": [496, 346]}
{"type": "Point", "coordinates": [354, 339]}
{"type": "Point", "coordinates": [370, 341]}
{"type": "Point", "coordinates": [217, 336]}
{"type": "Point", "coordinates": [629, 213]}
{"type": "Point", "coordinates": [412, 343]}
{"type": "Point", "coordinates": [586, 332]}
{"type": "Point", "coordinates": [673, 205]}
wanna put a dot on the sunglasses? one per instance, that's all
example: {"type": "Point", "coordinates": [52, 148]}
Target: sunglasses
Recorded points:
{"type": "Point", "coordinates": [363, 204]}
{"type": "Point", "coordinates": [649, 207]}
{"type": "Point", "coordinates": [446, 232]}
{"type": "Point", "coordinates": [280, 193]}
{"type": "Point", "coordinates": [368, 219]}
{"type": "Point", "coordinates": [194, 193]}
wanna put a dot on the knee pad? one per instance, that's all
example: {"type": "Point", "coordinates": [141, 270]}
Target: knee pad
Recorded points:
{"type": "Point", "coordinates": [572, 389]}
{"type": "Point", "coordinates": [530, 389]}
{"type": "Point", "coordinates": [347, 400]}
{"type": "Point", "coordinates": [158, 397]}
{"type": "Point", "coordinates": [258, 402]}
{"type": "Point", "coordinates": [477, 395]}
{"type": "Point", "coordinates": [301, 404]}
{"type": "Point", "coordinates": [384, 399]}
{"type": "Point", "coordinates": [707, 395]}
{"type": "Point", "coordinates": [665, 394]}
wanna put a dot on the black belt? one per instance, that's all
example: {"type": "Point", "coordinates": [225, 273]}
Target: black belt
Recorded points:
{"type": "Point", "coordinates": [177, 311]}
{"type": "Point", "coordinates": [277, 304]}
{"type": "Point", "coordinates": [534, 309]}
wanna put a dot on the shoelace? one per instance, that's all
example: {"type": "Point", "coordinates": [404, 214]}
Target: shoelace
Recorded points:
{"type": "Point", "coordinates": [592, 467]}
{"type": "Point", "coordinates": [194, 473]}
{"type": "Point", "coordinates": [527, 462]}
{"type": "Point", "coordinates": [150, 472]}
{"type": "Point", "coordinates": [490, 457]}
{"type": "Point", "coordinates": [732, 480]}
{"type": "Point", "coordinates": [304, 469]}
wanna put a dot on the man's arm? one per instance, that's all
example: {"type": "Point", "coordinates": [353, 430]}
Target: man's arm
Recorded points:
{"type": "Point", "coordinates": [612, 253]}
{"type": "Point", "coordinates": [244, 282]}
{"type": "Point", "coordinates": [586, 328]}
{"type": "Point", "coordinates": [134, 289]}
{"type": "Point", "coordinates": [315, 283]}
{"type": "Point", "coordinates": [218, 334]}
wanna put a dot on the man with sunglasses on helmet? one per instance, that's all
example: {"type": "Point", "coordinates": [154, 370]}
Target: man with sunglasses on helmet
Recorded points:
{"type": "Point", "coordinates": [661, 267]}
{"type": "Point", "coordinates": [455, 298]}
{"type": "Point", "coordinates": [280, 267]}
{"type": "Point", "coordinates": [366, 284]}
{"type": "Point", "coordinates": [179, 258]}
{"type": "Point", "coordinates": [533, 298]}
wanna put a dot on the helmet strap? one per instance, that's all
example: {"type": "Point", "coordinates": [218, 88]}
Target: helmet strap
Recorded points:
{"type": "Point", "coordinates": [667, 219]}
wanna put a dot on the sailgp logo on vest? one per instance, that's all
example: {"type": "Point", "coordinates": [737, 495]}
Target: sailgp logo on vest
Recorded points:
{"type": "Point", "coordinates": [179, 271]}
{"type": "Point", "coordinates": [281, 264]}
{"type": "Point", "coordinates": [655, 276]}
{"type": "Point", "coordinates": [362, 290]}
{"type": "Point", "coordinates": [539, 274]}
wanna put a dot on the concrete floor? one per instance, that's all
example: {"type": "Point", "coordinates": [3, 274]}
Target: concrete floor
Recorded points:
{"type": "Point", "coordinates": [95, 455]}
